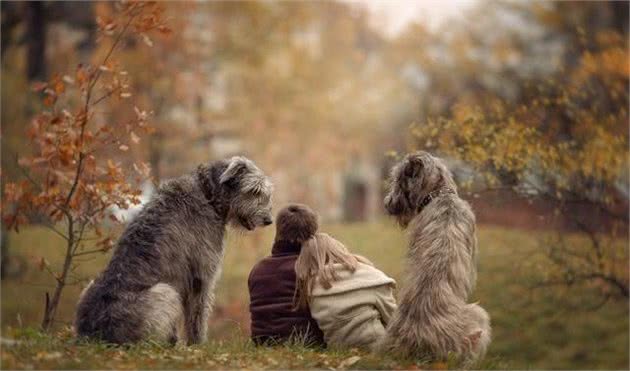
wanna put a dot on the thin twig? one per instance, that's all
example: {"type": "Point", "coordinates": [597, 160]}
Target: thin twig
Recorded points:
{"type": "Point", "coordinates": [80, 236]}
{"type": "Point", "coordinates": [87, 252]}
{"type": "Point", "coordinates": [111, 50]}
{"type": "Point", "coordinates": [26, 174]}
{"type": "Point", "coordinates": [47, 268]}
{"type": "Point", "coordinates": [105, 96]}
{"type": "Point", "coordinates": [55, 230]}
{"type": "Point", "coordinates": [86, 111]}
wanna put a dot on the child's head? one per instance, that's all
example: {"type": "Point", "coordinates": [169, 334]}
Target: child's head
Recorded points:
{"type": "Point", "coordinates": [296, 223]}
{"type": "Point", "coordinates": [316, 260]}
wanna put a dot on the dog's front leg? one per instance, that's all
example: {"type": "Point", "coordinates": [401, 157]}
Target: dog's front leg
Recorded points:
{"type": "Point", "coordinates": [197, 312]}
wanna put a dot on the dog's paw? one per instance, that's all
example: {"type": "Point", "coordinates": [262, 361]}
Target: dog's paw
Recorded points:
{"type": "Point", "coordinates": [473, 338]}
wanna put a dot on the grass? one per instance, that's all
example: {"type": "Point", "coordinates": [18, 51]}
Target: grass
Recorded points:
{"type": "Point", "coordinates": [533, 328]}
{"type": "Point", "coordinates": [63, 351]}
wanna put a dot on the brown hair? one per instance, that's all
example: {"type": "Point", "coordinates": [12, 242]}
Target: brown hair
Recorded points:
{"type": "Point", "coordinates": [296, 223]}
{"type": "Point", "coordinates": [316, 260]}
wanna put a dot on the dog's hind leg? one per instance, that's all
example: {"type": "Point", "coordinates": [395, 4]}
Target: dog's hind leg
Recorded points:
{"type": "Point", "coordinates": [481, 330]}
{"type": "Point", "coordinates": [164, 314]}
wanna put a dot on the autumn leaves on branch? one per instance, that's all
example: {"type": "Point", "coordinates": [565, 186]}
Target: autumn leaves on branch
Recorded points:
{"type": "Point", "coordinates": [72, 178]}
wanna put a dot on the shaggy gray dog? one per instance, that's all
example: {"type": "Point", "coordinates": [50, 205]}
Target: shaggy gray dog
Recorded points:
{"type": "Point", "coordinates": [433, 317]}
{"type": "Point", "coordinates": [159, 283]}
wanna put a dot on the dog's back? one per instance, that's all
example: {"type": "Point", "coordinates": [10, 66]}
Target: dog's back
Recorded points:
{"type": "Point", "coordinates": [110, 308]}
{"type": "Point", "coordinates": [433, 317]}
{"type": "Point", "coordinates": [116, 307]}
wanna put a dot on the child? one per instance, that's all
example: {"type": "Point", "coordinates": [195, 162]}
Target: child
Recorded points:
{"type": "Point", "coordinates": [272, 283]}
{"type": "Point", "coordinates": [351, 300]}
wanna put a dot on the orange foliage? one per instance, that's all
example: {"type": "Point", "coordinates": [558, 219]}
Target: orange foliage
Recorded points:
{"type": "Point", "coordinates": [70, 183]}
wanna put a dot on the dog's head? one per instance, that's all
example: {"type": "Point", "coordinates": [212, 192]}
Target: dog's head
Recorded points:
{"type": "Point", "coordinates": [411, 180]}
{"type": "Point", "coordinates": [250, 193]}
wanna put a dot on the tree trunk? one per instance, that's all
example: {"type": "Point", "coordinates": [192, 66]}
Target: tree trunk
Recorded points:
{"type": "Point", "coordinates": [36, 40]}
{"type": "Point", "coordinates": [11, 15]}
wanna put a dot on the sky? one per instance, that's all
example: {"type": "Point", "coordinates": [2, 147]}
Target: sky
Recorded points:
{"type": "Point", "coordinates": [393, 15]}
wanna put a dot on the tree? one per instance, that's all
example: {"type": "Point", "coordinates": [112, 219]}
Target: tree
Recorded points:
{"type": "Point", "coordinates": [71, 179]}
{"type": "Point", "coordinates": [295, 74]}
{"type": "Point", "coordinates": [563, 138]}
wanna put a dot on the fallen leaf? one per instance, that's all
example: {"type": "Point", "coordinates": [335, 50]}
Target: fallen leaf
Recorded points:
{"type": "Point", "coordinates": [439, 366]}
{"type": "Point", "coordinates": [349, 361]}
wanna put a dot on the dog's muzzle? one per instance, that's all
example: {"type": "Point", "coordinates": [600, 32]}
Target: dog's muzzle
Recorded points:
{"type": "Point", "coordinates": [267, 221]}
{"type": "Point", "coordinates": [246, 223]}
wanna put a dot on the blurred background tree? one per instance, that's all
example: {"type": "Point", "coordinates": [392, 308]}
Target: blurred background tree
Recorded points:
{"type": "Point", "coordinates": [291, 83]}
{"type": "Point", "coordinates": [558, 135]}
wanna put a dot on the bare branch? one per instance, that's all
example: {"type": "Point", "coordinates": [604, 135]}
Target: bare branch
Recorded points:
{"type": "Point", "coordinates": [86, 110]}
{"type": "Point", "coordinates": [49, 271]}
{"type": "Point", "coordinates": [55, 230]}
{"type": "Point", "coordinates": [105, 96]}
{"type": "Point", "coordinates": [88, 252]}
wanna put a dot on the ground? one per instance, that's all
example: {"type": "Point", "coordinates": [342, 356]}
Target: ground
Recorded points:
{"type": "Point", "coordinates": [532, 328]}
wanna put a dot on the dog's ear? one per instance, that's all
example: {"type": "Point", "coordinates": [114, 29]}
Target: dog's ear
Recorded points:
{"type": "Point", "coordinates": [395, 201]}
{"type": "Point", "coordinates": [412, 167]}
{"type": "Point", "coordinates": [236, 167]}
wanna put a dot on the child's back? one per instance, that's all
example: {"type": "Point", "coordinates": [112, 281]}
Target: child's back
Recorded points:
{"type": "Point", "coordinates": [271, 288]}
{"type": "Point", "coordinates": [272, 283]}
{"type": "Point", "coordinates": [356, 309]}
{"type": "Point", "coordinates": [351, 300]}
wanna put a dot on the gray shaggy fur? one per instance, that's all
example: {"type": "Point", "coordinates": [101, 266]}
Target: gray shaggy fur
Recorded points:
{"type": "Point", "coordinates": [159, 283]}
{"type": "Point", "coordinates": [433, 316]}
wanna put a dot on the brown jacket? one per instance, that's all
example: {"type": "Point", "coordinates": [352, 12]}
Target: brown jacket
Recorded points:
{"type": "Point", "coordinates": [271, 289]}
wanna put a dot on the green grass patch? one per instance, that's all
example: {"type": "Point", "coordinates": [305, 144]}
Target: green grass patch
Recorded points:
{"type": "Point", "coordinates": [532, 328]}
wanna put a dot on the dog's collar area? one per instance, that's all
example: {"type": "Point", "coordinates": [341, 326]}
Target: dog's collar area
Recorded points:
{"type": "Point", "coordinates": [431, 196]}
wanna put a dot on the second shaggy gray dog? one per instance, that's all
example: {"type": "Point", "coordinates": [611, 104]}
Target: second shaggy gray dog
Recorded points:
{"type": "Point", "coordinates": [159, 283]}
{"type": "Point", "coordinates": [433, 317]}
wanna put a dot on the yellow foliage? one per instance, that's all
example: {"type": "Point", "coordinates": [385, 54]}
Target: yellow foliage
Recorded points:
{"type": "Point", "coordinates": [571, 134]}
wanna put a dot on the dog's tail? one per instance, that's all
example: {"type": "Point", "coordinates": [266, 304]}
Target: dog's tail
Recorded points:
{"type": "Point", "coordinates": [462, 329]}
